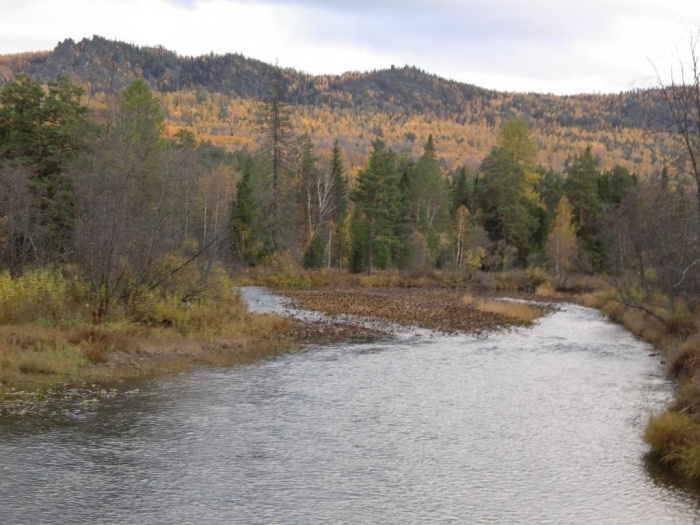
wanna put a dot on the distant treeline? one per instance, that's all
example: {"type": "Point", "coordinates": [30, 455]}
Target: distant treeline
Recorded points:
{"type": "Point", "coordinates": [109, 193]}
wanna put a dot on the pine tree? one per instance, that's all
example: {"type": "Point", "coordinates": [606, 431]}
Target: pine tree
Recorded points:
{"type": "Point", "coordinates": [581, 188]}
{"type": "Point", "coordinates": [340, 184]}
{"type": "Point", "coordinates": [244, 216]}
{"type": "Point", "coordinates": [377, 198]}
{"type": "Point", "coordinates": [501, 196]}
{"type": "Point", "coordinates": [427, 198]}
{"type": "Point", "coordinates": [43, 131]}
{"type": "Point", "coordinates": [460, 190]}
{"type": "Point", "coordinates": [336, 245]}
{"type": "Point", "coordinates": [276, 139]}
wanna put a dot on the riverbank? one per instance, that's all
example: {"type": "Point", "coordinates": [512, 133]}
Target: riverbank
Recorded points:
{"type": "Point", "coordinates": [62, 355]}
{"type": "Point", "coordinates": [673, 435]}
{"type": "Point", "coordinates": [58, 353]}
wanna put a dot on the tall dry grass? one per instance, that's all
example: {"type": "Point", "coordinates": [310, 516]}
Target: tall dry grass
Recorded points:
{"type": "Point", "coordinates": [515, 310]}
{"type": "Point", "coordinates": [47, 336]}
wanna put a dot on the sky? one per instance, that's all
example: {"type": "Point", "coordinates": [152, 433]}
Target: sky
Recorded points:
{"type": "Point", "coordinates": [545, 46]}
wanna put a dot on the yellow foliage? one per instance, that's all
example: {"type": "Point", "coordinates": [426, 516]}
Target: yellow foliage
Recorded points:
{"type": "Point", "coordinates": [40, 296]}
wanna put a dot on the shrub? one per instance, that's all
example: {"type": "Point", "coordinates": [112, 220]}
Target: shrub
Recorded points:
{"type": "Point", "coordinates": [681, 324]}
{"type": "Point", "coordinates": [547, 291]}
{"type": "Point", "coordinates": [685, 360]}
{"type": "Point", "coordinates": [44, 296]}
{"type": "Point", "coordinates": [689, 462]}
{"type": "Point", "coordinates": [670, 435]}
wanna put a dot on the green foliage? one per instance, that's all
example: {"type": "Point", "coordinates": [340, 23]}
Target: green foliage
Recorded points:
{"type": "Point", "coordinates": [244, 217]}
{"type": "Point", "coordinates": [461, 189]}
{"type": "Point", "coordinates": [339, 184]}
{"type": "Point", "coordinates": [426, 200]}
{"type": "Point", "coordinates": [313, 258]}
{"type": "Point", "coordinates": [614, 184]}
{"type": "Point", "coordinates": [141, 115]}
{"type": "Point", "coordinates": [500, 194]}
{"type": "Point", "coordinates": [276, 143]}
{"type": "Point", "coordinates": [377, 199]}
{"type": "Point", "coordinates": [44, 131]}
{"type": "Point", "coordinates": [581, 187]}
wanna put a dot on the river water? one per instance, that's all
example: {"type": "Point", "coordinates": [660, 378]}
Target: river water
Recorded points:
{"type": "Point", "coordinates": [538, 425]}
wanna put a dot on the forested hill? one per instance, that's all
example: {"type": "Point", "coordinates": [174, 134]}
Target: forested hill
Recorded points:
{"type": "Point", "coordinates": [401, 104]}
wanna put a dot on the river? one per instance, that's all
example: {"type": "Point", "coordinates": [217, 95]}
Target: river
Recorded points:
{"type": "Point", "coordinates": [538, 425]}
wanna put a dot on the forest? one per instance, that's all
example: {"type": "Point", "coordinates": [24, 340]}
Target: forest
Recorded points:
{"type": "Point", "coordinates": [122, 199]}
{"type": "Point", "coordinates": [215, 97]}
{"type": "Point", "coordinates": [109, 191]}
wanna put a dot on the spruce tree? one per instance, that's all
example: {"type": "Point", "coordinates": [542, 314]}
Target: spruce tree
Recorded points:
{"type": "Point", "coordinates": [377, 198]}
{"type": "Point", "coordinates": [276, 139]}
{"type": "Point", "coordinates": [243, 217]}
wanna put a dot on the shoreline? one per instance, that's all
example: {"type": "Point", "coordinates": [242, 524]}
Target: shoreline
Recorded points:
{"type": "Point", "coordinates": [101, 359]}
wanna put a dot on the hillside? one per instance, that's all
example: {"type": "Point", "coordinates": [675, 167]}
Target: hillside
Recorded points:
{"type": "Point", "coordinates": [215, 95]}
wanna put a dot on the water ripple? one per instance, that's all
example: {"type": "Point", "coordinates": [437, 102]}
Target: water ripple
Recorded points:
{"type": "Point", "coordinates": [530, 426]}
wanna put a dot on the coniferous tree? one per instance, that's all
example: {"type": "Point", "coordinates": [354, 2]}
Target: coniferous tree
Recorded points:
{"type": "Point", "coordinates": [581, 188]}
{"type": "Point", "coordinates": [377, 198]}
{"type": "Point", "coordinates": [276, 140]}
{"type": "Point", "coordinates": [337, 243]}
{"type": "Point", "coordinates": [244, 217]}
{"type": "Point", "coordinates": [501, 197]}
{"type": "Point", "coordinates": [427, 198]}
{"type": "Point", "coordinates": [460, 190]}
{"type": "Point", "coordinates": [42, 132]}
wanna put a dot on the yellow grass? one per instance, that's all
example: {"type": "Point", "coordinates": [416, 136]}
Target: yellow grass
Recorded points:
{"type": "Point", "coordinates": [512, 309]}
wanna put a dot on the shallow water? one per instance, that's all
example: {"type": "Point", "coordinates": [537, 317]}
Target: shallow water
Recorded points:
{"type": "Point", "coordinates": [538, 425]}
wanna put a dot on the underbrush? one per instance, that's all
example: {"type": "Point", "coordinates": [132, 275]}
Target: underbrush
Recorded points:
{"type": "Point", "coordinates": [47, 297]}
{"type": "Point", "coordinates": [48, 333]}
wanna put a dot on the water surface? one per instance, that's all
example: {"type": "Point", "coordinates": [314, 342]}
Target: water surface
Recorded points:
{"type": "Point", "coordinates": [538, 425]}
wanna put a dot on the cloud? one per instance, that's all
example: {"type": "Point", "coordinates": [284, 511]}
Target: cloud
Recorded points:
{"type": "Point", "coordinates": [543, 45]}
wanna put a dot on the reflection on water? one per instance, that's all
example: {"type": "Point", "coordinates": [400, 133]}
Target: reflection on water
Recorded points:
{"type": "Point", "coordinates": [536, 425]}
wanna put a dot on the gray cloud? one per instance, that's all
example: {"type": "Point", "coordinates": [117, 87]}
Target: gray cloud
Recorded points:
{"type": "Point", "coordinates": [548, 44]}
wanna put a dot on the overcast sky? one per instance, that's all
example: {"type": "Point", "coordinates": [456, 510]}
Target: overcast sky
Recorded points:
{"type": "Point", "coordinates": [550, 46]}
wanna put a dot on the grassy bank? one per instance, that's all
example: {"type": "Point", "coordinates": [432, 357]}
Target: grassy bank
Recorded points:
{"type": "Point", "coordinates": [49, 340]}
{"type": "Point", "coordinates": [673, 435]}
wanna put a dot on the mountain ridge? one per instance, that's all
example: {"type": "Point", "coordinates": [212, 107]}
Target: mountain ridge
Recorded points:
{"type": "Point", "coordinates": [613, 121]}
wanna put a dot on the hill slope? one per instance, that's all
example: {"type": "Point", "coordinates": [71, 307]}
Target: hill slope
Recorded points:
{"type": "Point", "coordinates": [215, 96]}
